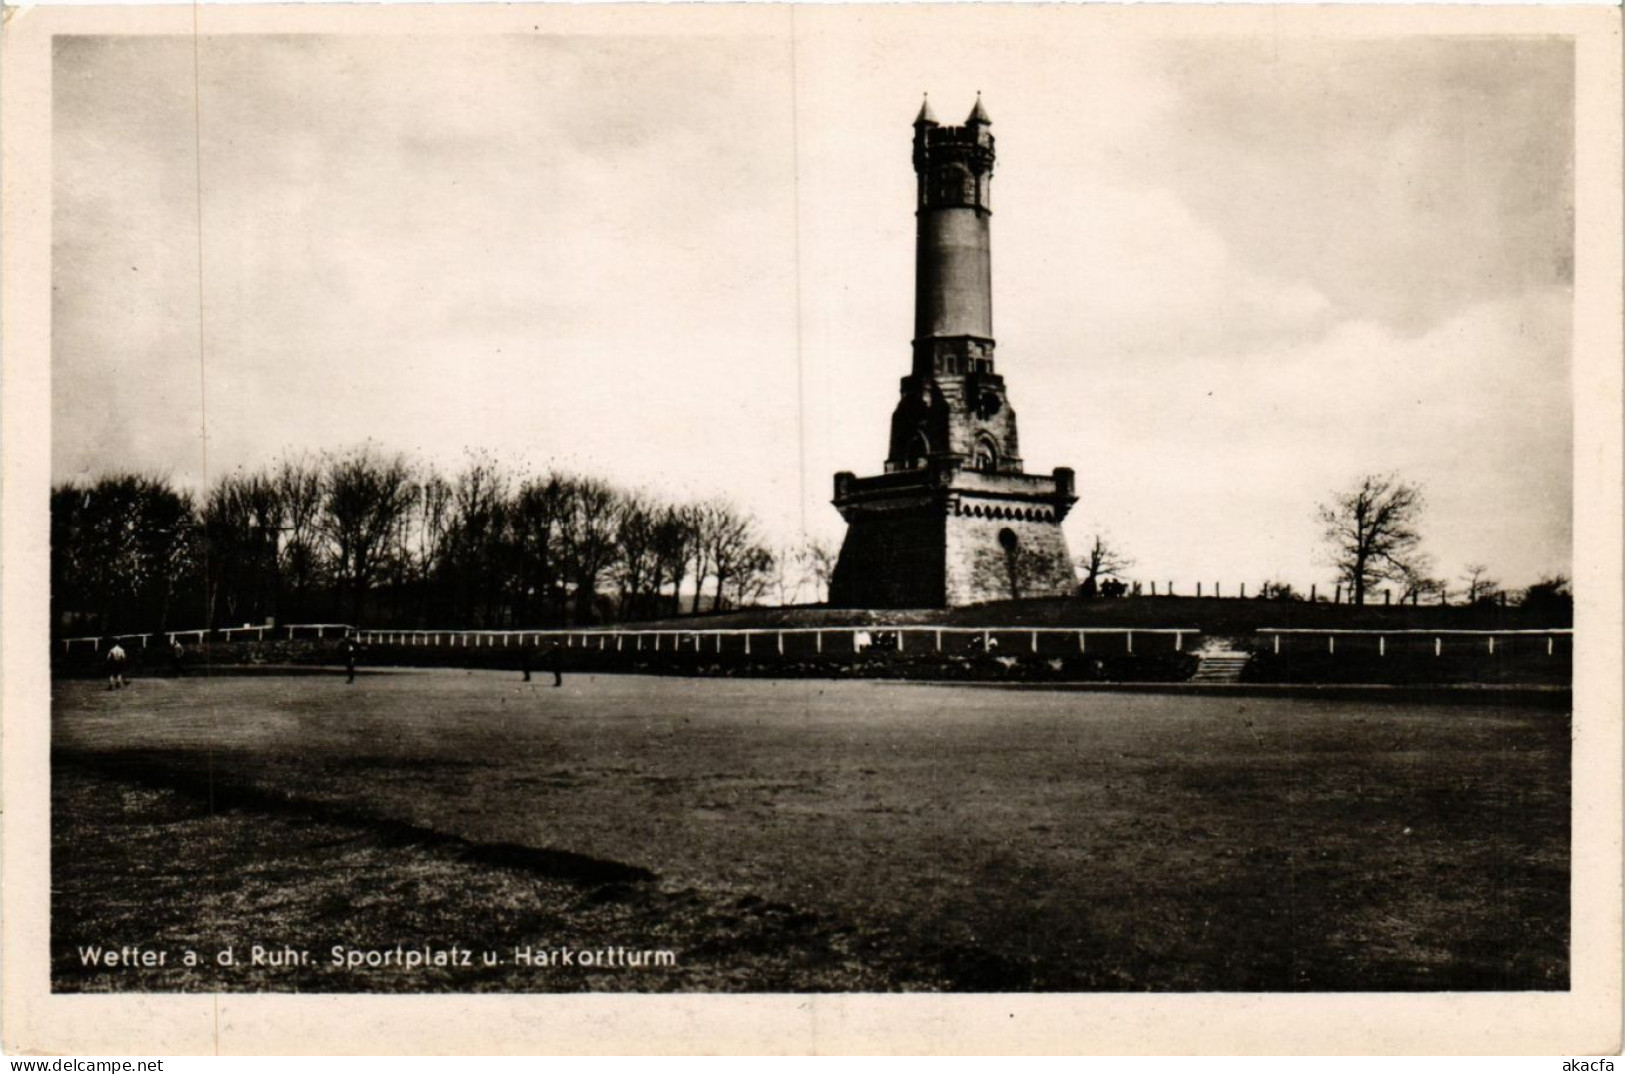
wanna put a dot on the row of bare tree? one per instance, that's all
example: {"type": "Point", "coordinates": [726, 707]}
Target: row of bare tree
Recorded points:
{"type": "Point", "coordinates": [370, 536]}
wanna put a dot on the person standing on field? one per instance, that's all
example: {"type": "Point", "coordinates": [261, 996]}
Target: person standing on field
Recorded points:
{"type": "Point", "coordinates": [556, 658]}
{"type": "Point", "coordinates": [349, 659]}
{"type": "Point", "coordinates": [116, 658]}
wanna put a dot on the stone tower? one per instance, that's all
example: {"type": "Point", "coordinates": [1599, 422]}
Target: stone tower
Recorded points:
{"type": "Point", "coordinates": [954, 519]}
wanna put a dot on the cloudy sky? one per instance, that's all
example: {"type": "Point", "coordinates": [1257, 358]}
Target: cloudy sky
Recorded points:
{"type": "Point", "coordinates": [1231, 274]}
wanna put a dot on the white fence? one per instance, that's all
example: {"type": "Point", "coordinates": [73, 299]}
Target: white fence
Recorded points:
{"type": "Point", "coordinates": [763, 640]}
{"type": "Point", "coordinates": [309, 630]}
{"type": "Point", "coordinates": [838, 639]}
{"type": "Point", "coordinates": [1410, 638]}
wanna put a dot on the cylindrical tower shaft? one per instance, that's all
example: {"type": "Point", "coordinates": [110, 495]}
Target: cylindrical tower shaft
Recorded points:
{"type": "Point", "coordinates": [952, 274]}
{"type": "Point", "coordinates": [953, 278]}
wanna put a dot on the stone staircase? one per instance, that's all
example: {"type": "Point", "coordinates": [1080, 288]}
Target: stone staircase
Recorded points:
{"type": "Point", "coordinates": [1221, 666]}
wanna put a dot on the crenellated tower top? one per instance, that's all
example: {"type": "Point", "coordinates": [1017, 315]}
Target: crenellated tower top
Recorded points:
{"type": "Point", "coordinates": [954, 165]}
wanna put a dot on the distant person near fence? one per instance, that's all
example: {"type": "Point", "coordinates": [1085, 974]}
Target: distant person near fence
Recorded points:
{"type": "Point", "coordinates": [116, 659]}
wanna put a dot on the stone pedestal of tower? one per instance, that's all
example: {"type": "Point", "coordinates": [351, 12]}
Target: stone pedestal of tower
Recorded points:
{"type": "Point", "coordinates": [943, 536]}
{"type": "Point", "coordinates": [954, 519]}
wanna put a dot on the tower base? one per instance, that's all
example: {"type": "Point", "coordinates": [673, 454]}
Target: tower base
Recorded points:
{"type": "Point", "coordinates": [943, 536]}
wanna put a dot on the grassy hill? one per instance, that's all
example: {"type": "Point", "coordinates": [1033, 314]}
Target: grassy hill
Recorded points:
{"type": "Point", "coordinates": [1210, 615]}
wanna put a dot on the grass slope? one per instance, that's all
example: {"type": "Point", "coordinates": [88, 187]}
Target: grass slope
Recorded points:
{"type": "Point", "coordinates": [1207, 614]}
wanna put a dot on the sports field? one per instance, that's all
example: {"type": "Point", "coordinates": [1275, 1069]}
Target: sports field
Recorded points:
{"type": "Point", "coordinates": [803, 835]}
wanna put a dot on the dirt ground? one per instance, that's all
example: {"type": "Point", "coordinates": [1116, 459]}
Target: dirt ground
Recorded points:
{"type": "Point", "coordinates": [803, 836]}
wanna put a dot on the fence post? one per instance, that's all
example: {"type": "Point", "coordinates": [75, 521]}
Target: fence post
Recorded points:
{"type": "Point", "coordinates": [819, 638]}
{"type": "Point", "coordinates": [1312, 595]}
{"type": "Point", "coordinates": [1035, 641]}
{"type": "Point", "coordinates": [1179, 641]}
{"type": "Point", "coordinates": [1387, 596]}
{"type": "Point", "coordinates": [986, 641]}
{"type": "Point", "coordinates": [1492, 644]}
{"type": "Point", "coordinates": [1153, 589]}
{"type": "Point", "coordinates": [939, 641]}
{"type": "Point", "coordinates": [1382, 646]}
{"type": "Point", "coordinates": [1331, 643]}
{"type": "Point", "coordinates": [781, 643]}
{"type": "Point", "coordinates": [1438, 646]}
{"type": "Point", "coordinates": [1277, 645]}
{"type": "Point", "coordinates": [1549, 640]}
{"type": "Point", "coordinates": [747, 644]}
{"type": "Point", "coordinates": [1131, 636]}
{"type": "Point", "coordinates": [1198, 588]}
{"type": "Point", "coordinates": [1216, 592]}
{"type": "Point", "coordinates": [900, 636]}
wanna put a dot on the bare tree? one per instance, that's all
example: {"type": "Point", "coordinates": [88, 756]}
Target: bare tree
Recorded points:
{"type": "Point", "coordinates": [588, 540]}
{"type": "Point", "coordinates": [1480, 586]}
{"type": "Point", "coordinates": [698, 520]}
{"type": "Point", "coordinates": [478, 540]}
{"type": "Point", "coordinates": [426, 535]}
{"type": "Point", "coordinates": [1417, 582]}
{"type": "Point", "coordinates": [752, 575]}
{"type": "Point", "coordinates": [732, 542]}
{"type": "Point", "coordinates": [298, 483]}
{"type": "Point", "coordinates": [817, 559]}
{"type": "Point", "coordinates": [789, 575]}
{"type": "Point", "coordinates": [1102, 559]}
{"type": "Point", "coordinates": [242, 528]}
{"type": "Point", "coordinates": [122, 548]}
{"type": "Point", "coordinates": [637, 554]}
{"type": "Point", "coordinates": [674, 539]}
{"type": "Point", "coordinates": [366, 494]}
{"type": "Point", "coordinates": [539, 517]}
{"type": "Point", "coordinates": [1371, 530]}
